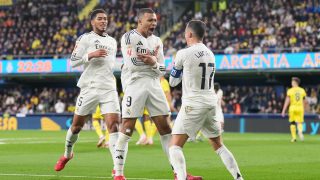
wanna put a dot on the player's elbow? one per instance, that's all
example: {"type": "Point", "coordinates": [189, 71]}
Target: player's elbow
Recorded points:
{"type": "Point", "coordinates": [75, 61]}
{"type": "Point", "coordinates": [74, 64]}
{"type": "Point", "coordinates": [174, 81]}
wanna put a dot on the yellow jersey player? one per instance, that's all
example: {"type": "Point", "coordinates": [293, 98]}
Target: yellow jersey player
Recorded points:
{"type": "Point", "coordinates": [296, 98]}
{"type": "Point", "coordinates": [103, 138]}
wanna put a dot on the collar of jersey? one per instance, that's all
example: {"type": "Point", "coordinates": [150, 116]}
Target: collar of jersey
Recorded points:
{"type": "Point", "coordinates": [100, 35]}
{"type": "Point", "coordinates": [135, 30]}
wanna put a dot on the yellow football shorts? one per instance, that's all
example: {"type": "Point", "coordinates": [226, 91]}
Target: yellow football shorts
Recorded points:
{"type": "Point", "coordinates": [296, 114]}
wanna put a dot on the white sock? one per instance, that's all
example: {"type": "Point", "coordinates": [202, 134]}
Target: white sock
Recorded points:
{"type": "Point", "coordinates": [165, 140]}
{"type": "Point", "coordinates": [70, 140]}
{"type": "Point", "coordinates": [113, 137]}
{"type": "Point", "coordinates": [178, 162]}
{"type": "Point", "coordinates": [229, 161]}
{"type": "Point", "coordinates": [121, 151]}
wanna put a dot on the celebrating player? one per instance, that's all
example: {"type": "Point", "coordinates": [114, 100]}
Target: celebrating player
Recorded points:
{"type": "Point", "coordinates": [296, 98]}
{"type": "Point", "coordinates": [97, 52]}
{"type": "Point", "coordinates": [143, 67]}
{"type": "Point", "coordinates": [199, 103]}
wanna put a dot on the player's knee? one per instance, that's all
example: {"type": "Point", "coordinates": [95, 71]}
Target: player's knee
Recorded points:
{"type": "Point", "coordinates": [215, 143]}
{"type": "Point", "coordinates": [113, 126]}
{"type": "Point", "coordinates": [163, 130]}
{"type": "Point", "coordinates": [127, 128]}
{"type": "Point", "coordinates": [127, 131]}
{"type": "Point", "coordinates": [293, 123]}
{"type": "Point", "coordinates": [76, 129]}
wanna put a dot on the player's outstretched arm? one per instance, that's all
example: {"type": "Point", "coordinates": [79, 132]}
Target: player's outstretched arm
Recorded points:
{"type": "Point", "coordinates": [175, 77]}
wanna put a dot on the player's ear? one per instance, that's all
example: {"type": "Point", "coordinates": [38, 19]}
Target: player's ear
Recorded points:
{"type": "Point", "coordinates": [92, 23]}
{"type": "Point", "coordinates": [189, 34]}
{"type": "Point", "coordinates": [139, 20]}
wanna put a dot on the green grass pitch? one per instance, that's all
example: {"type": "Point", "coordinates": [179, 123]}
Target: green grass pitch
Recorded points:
{"type": "Point", "coordinates": [33, 154]}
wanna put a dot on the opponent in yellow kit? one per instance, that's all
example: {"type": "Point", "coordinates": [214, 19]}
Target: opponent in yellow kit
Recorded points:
{"type": "Point", "coordinates": [103, 138]}
{"type": "Point", "coordinates": [296, 99]}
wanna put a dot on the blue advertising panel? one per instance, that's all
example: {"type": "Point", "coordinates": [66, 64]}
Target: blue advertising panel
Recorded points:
{"type": "Point", "coordinates": [36, 66]}
{"type": "Point", "coordinates": [233, 123]}
{"type": "Point", "coordinates": [268, 61]}
{"type": "Point", "coordinates": [223, 62]}
{"type": "Point", "coordinates": [263, 61]}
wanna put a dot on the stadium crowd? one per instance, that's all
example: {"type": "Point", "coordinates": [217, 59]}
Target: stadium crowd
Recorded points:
{"type": "Point", "coordinates": [236, 99]}
{"type": "Point", "coordinates": [256, 27]}
{"type": "Point", "coordinates": [50, 28]}
{"type": "Point", "coordinates": [37, 100]}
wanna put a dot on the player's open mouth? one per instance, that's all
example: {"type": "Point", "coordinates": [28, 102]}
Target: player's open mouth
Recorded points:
{"type": "Point", "coordinates": [151, 29]}
{"type": "Point", "coordinates": [103, 26]}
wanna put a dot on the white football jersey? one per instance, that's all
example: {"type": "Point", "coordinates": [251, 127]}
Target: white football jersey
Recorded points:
{"type": "Point", "coordinates": [133, 43]}
{"type": "Point", "coordinates": [98, 72]}
{"type": "Point", "coordinates": [125, 76]}
{"type": "Point", "coordinates": [198, 65]}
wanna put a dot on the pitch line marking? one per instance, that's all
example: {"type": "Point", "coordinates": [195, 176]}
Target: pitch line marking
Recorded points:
{"type": "Point", "coordinates": [89, 177]}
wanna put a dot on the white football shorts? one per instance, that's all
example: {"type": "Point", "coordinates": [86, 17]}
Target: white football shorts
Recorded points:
{"type": "Point", "coordinates": [219, 115]}
{"type": "Point", "coordinates": [143, 93]}
{"type": "Point", "coordinates": [191, 120]}
{"type": "Point", "coordinates": [89, 98]}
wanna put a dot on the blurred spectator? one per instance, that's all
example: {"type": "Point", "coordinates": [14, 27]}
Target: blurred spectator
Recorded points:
{"type": "Point", "coordinates": [60, 106]}
{"type": "Point", "coordinates": [252, 99]}
{"type": "Point", "coordinates": [272, 26]}
{"type": "Point", "coordinates": [49, 28]}
{"type": "Point", "coordinates": [312, 100]}
{"type": "Point", "coordinates": [236, 99]}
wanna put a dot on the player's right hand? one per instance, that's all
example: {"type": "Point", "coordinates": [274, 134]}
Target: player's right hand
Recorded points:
{"type": "Point", "coordinates": [98, 53]}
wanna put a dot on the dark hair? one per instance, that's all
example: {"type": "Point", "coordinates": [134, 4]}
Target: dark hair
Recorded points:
{"type": "Point", "coordinates": [143, 11]}
{"type": "Point", "coordinates": [216, 87]}
{"type": "Point", "coordinates": [94, 13]}
{"type": "Point", "coordinates": [198, 27]}
{"type": "Point", "coordinates": [296, 79]}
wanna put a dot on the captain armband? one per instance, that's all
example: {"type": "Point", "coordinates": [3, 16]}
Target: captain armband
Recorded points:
{"type": "Point", "coordinates": [176, 73]}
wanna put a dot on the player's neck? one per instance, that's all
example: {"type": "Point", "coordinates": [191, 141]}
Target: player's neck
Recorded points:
{"type": "Point", "coordinates": [193, 42]}
{"type": "Point", "coordinates": [142, 33]}
{"type": "Point", "coordinates": [100, 33]}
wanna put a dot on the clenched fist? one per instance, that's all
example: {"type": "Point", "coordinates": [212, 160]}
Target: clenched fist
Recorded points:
{"type": "Point", "coordinates": [98, 53]}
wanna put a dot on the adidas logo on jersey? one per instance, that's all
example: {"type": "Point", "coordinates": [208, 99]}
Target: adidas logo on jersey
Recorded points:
{"type": "Point", "coordinates": [139, 43]}
{"type": "Point", "coordinates": [97, 41]}
{"type": "Point", "coordinates": [119, 157]}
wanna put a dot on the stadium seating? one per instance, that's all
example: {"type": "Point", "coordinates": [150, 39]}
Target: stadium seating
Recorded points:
{"type": "Point", "coordinates": [236, 99]}
{"type": "Point", "coordinates": [51, 28]}
{"type": "Point", "coordinates": [257, 27]}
